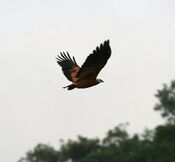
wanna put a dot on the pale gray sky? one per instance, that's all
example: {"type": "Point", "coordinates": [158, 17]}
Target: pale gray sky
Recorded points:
{"type": "Point", "coordinates": [34, 107]}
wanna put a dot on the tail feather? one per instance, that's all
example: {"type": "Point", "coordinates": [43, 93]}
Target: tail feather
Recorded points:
{"type": "Point", "coordinates": [70, 87]}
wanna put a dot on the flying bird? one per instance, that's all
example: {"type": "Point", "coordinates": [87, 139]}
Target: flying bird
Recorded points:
{"type": "Point", "coordinates": [86, 75]}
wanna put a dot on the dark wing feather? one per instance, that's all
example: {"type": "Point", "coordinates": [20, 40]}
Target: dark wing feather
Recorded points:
{"type": "Point", "coordinates": [95, 61]}
{"type": "Point", "coordinates": [69, 65]}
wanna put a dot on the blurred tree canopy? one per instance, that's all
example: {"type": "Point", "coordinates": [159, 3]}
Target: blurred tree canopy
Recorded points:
{"type": "Point", "coordinates": [42, 153]}
{"type": "Point", "coordinates": [166, 103]}
{"type": "Point", "coordinates": [156, 145]}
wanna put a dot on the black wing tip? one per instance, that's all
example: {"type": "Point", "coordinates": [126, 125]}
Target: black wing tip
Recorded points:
{"type": "Point", "coordinates": [106, 42]}
{"type": "Point", "coordinates": [64, 56]}
{"type": "Point", "coordinates": [59, 58]}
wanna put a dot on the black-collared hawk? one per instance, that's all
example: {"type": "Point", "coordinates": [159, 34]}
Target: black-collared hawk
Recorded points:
{"type": "Point", "coordinates": [86, 75]}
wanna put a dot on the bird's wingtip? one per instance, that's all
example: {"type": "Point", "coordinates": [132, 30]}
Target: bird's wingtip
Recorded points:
{"type": "Point", "coordinates": [107, 41]}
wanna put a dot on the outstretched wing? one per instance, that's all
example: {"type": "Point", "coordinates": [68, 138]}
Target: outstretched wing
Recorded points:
{"type": "Point", "coordinates": [69, 66]}
{"type": "Point", "coordinates": [95, 62]}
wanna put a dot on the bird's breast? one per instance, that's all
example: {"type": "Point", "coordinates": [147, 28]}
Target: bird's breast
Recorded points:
{"type": "Point", "coordinates": [86, 83]}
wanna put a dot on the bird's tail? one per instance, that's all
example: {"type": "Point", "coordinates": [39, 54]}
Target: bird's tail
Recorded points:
{"type": "Point", "coordinates": [70, 87]}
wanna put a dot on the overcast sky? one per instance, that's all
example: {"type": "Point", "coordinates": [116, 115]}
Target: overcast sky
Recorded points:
{"type": "Point", "coordinates": [35, 109]}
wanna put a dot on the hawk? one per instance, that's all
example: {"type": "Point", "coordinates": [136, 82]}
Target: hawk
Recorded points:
{"type": "Point", "coordinates": [86, 75]}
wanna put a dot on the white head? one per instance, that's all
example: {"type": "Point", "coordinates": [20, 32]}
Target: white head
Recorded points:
{"type": "Point", "coordinates": [100, 81]}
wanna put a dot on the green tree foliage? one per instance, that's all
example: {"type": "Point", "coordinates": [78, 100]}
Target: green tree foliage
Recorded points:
{"type": "Point", "coordinates": [166, 103]}
{"type": "Point", "coordinates": [164, 143]}
{"type": "Point", "coordinates": [78, 149]}
{"type": "Point", "coordinates": [42, 153]}
{"type": "Point", "coordinates": [116, 135]}
{"type": "Point", "coordinates": [156, 145]}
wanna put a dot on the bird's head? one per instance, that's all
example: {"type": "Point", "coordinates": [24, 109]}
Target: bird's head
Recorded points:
{"type": "Point", "coordinates": [100, 81]}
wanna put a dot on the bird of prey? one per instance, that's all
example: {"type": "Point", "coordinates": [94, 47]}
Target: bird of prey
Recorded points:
{"type": "Point", "coordinates": [86, 75]}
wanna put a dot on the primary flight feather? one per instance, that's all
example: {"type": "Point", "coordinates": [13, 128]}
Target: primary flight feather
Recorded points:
{"type": "Point", "coordinates": [86, 75]}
